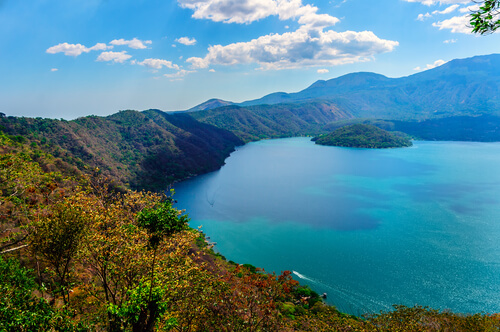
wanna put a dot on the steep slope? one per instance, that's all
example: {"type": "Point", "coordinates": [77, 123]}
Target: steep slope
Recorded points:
{"type": "Point", "coordinates": [460, 87]}
{"type": "Point", "coordinates": [271, 121]}
{"type": "Point", "coordinates": [146, 150]}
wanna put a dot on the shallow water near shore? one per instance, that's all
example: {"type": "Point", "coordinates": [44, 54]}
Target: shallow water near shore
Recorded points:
{"type": "Point", "coordinates": [371, 228]}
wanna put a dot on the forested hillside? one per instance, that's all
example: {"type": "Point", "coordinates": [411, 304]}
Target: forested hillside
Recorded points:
{"type": "Point", "coordinates": [273, 121]}
{"type": "Point", "coordinates": [483, 128]}
{"type": "Point", "coordinates": [146, 150]}
{"type": "Point", "coordinates": [363, 136]}
{"type": "Point", "coordinates": [78, 255]}
{"type": "Point", "coordinates": [461, 87]}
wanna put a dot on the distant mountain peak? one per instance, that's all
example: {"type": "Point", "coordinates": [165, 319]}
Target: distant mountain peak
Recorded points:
{"type": "Point", "coordinates": [210, 104]}
{"type": "Point", "coordinates": [468, 86]}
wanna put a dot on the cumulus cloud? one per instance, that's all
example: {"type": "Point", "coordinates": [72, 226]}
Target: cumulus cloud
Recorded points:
{"type": "Point", "coordinates": [450, 41]}
{"type": "Point", "coordinates": [248, 11]}
{"type": "Point", "coordinates": [133, 43]}
{"type": "Point", "coordinates": [54, 69]}
{"type": "Point", "coordinates": [186, 41]}
{"type": "Point", "coordinates": [457, 24]}
{"type": "Point", "coordinates": [323, 71]}
{"type": "Point", "coordinates": [117, 57]}
{"type": "Point", "coordinates": [303, 47]}
{"type": "Point", "coordinates": [157, 64]}
{"type": "Point", "coordinates": [436, 63]}
{"type": "Point", "coordinates": [212, 70]}
{"type": "Point", "coordinates": [469, 9]}
{"type": "Point", "coordinates": [76, 49]}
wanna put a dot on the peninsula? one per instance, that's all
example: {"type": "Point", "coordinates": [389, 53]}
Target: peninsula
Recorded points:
{"type": "Point", "coordinates": [363, 136]}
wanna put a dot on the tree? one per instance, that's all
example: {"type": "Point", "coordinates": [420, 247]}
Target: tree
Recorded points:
{"type": "Point", "coordinates": [21, 310]}
{"type": "Point", "coordinates": [486, 19]}
{"type": "Point", "coordinates": [56, 236]}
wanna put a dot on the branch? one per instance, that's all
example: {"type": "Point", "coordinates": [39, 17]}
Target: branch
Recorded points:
{"type": "Point", "coordinates": [13, 243]}
{"type": "Point", "coordinates": [13, 249]}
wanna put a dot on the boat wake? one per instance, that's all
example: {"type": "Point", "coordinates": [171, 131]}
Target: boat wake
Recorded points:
{"type": "Point", "coordinates": [345, 299]}
{"type": "Point", "coordinates": [301, 276]}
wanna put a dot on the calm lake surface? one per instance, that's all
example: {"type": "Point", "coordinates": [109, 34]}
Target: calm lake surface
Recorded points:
{"type": "Point", "coordinates": [371, 228]}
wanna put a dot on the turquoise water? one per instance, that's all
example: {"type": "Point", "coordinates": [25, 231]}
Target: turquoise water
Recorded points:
{"type": "Point", "coordinates": [371, 228]}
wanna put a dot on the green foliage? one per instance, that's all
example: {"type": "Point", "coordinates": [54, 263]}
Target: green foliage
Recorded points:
{"type": "Point", "coordinates": [250, 268]}
{"type": "Point", "coordinates": [162, 221]}
{"type": "Point", "coordinates": [56, 236]}
{"type": "Point", "coordinates": [273, 121]}
{"type": "Point", "coordinates": [21, 310]}
{"type": "Point", "coordinates": [485, 19]}
{"type": "Point", "coordinates": [125, 261]}
{"type": "Point", "coordinates": [363, 136]}
{"type": "Point", "coordinates": [139, 298]}
{"type": "Point", "coordinates": [141, 150]}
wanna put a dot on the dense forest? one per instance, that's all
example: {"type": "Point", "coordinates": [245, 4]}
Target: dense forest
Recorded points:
{"type": "Point", "coordinates": [363, 136]}
{"type": "Point", "coordinates": [140, 150]}
{"type": "Point", "coordinates": [83, 248]}
{"type": "Point", "coordinates": [274, 121]}
{"type": "Point", "coordinates": [80, 253]}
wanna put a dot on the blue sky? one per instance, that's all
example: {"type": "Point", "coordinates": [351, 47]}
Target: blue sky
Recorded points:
{"type": "Point", "coordinates": [72, 58]}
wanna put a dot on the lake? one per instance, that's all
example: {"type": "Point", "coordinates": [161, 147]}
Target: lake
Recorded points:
{"type": "Point", "coordinates": [371, 228]}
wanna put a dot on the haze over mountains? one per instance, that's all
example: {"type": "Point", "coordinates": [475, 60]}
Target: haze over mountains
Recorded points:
{"type": "Point", "coordinates": [151, 149]}
{"type": "Point", "coordinates": [460, 87]}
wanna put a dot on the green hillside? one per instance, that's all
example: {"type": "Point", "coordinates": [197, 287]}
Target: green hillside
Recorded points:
{"type": "Point", "coordinates": [146, 150]}
{"type": "Point", "coordinates": [363, 136]}
{"type": "Point", "coordinates": [273, 121]}
{"type": "Point", "coordinates": [77, 255]}
{"type": "Point", "coordinates": [461, 87]}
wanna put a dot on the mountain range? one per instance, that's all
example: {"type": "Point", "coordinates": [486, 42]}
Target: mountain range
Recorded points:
{"type": "Point", "coordinates": [151, 149]}
{"type": "Point", "coordinates": [461, 87]}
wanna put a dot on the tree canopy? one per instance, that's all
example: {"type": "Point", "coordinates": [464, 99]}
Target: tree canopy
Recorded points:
{"type": "Point", "coordinates": [486, 19]}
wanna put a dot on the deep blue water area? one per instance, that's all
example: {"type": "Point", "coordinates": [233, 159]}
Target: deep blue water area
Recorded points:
{"type": "Point", "coordinates": [371, 228]}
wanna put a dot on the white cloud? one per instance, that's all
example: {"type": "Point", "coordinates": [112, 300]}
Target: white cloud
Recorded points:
{"type": "Point", "coordinates": [323, 71]}
{"type": "Point", "coordinates": [422, 17]}
{"type": "Point", "coordinates": [134, 43]}
{"type": "Point", "coordinates": [436, 63]}
{"type": "Point", "coordinates": [457, 24]}
{"type": "Point", "coordinates": [179, 74]}
{"type": "Point", "coordinates": [117, 57]}
{"type": "Point", "coordinates": [469, 9]}
{"type": "Point", "coordinates": [54, 69]}
{"type": "Point", "coordinates": [230, 11]}
{"type": "Point", "coordinates": [450, 41]}
{"type": "Point", "coordinates": [441, 2]}
{"type": "Point", "coordinates": [186, 41]}
{"type": "Point", "coordinates": [212, 70]}
{"type": "Point", "coordinates": [248, 11]}
{"type": "Point", "coordinates": [157, 64]}
{"type": "Point", "coordinates": [76, 49]}
{"type": "Point", "coordinates": [447, 10]}
{"type": "Point", "coordinates": [300, 48]}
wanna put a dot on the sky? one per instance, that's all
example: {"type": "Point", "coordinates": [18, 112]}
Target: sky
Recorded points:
{"type": "Point", "coordinates": [73, 58]}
